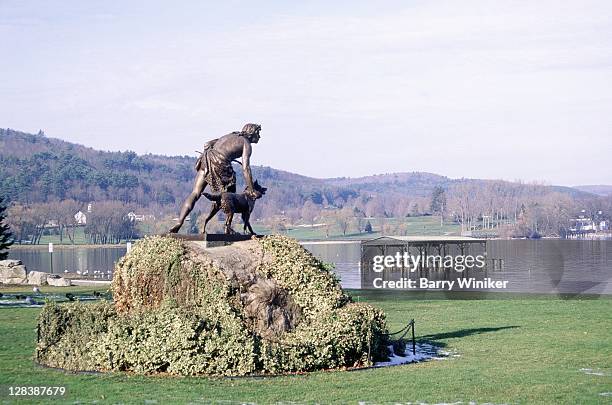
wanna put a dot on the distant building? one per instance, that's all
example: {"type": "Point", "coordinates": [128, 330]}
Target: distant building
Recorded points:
{"type": "Point", "coordinates": [80, 218]}
{"type": "Point", "coordinates": [588, 225]}
{"type": "Point", "coordinates": [132, 216]}
{"type": "Point", "coordinates": [582, 225]}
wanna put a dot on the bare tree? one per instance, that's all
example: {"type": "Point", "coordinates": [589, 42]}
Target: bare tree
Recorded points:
{"type": "Point", "coordinates": [64, 213]}
{"type": "Point", "coordinates": [343, 219]}
{"type": "Point", "coordinates": [108, 223]}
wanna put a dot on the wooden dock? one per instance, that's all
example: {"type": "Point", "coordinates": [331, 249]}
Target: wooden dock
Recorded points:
{"type": "Point", "coordinates": [420, 246]}
{"type": "Point", "coordinates": [402, 240]}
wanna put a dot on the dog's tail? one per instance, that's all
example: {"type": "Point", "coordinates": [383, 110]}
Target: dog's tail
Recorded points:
{"type": "Point", "coordinates": [212, 197]}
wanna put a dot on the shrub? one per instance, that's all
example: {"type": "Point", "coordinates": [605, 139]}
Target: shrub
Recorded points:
{"type": "Point", "coordinates": [263, 306]}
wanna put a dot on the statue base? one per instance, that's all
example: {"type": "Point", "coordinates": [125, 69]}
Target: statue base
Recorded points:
{"type": "Point", "coordinates": [213, 239]}
{"type": "Point", "coordinates": [264, 306]}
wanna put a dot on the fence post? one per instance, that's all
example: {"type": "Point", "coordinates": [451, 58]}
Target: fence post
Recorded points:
{"type": "Point", "coordinates": [413, 343]}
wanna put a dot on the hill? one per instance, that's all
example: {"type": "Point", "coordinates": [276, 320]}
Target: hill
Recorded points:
{"type": "Point", "coordinates": [36, 168]}
{"type": "Point", "coordinates": [600, 189]}
{"type": "Point", "coordinates": [37, 172]}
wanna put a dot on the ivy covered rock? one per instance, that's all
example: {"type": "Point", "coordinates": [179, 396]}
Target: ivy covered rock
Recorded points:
{"type": "Point", "coordinates": [261, 306]}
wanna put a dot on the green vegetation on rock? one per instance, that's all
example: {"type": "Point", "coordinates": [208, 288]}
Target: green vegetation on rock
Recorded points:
{"type": "Point", "coordinates": [262, 306]}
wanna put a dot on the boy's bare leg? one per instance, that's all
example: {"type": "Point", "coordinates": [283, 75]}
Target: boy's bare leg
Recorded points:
{"type": "Point", "coordinates": [198, 188]}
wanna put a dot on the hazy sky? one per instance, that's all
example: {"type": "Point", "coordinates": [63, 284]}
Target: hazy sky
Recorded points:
{"type": "Point", "coordinates": [486, 89]}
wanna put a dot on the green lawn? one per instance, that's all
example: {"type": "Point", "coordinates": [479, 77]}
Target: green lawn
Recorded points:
{"type": "Point", "coordinates": [412, 226]}
{"type": "Point", "coordinates": [519, 350]}
{"type": "Point", "coordinates": [79, 238]}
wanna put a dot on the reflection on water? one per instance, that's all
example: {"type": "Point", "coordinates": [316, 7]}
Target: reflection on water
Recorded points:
{"type": "Point", "coordinates": [543, 266]}
{"type": "Point", "coordinates": [536, 266]}
{"type": "Point", "coordinates": [344, 256]}
{"type": "Point", "coordinates": [555, 266]}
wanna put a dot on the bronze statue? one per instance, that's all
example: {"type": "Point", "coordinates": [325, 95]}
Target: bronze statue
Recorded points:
{"type": "Point", "coordinates": [214, 167]}
{"type": "Point", "coordinates": [233, 203]}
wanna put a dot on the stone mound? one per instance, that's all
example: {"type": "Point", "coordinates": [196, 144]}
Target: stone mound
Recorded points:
{"type": "Point", "coordinates": [12, 272]}
{"type": "Point", "coordinates": [255, 307]}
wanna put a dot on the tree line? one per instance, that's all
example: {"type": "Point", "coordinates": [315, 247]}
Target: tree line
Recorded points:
{"type": "Point", "coordinates": [108, 223]}
{"type": "Point", "coordinates": [46, 179]}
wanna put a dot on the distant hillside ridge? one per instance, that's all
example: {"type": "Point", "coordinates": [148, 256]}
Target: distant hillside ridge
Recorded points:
{"type": "Point", "coordinates": [36, 168]}
{"type": "Point", "coordinates": [603, 190]}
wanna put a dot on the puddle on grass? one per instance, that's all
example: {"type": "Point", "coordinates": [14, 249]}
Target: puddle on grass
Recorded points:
{"type": "Point", "coordinates": [423, 352]}
{"type": "Point", "coordinates": [435, 403]}
{"type": "Point", "coordinates": [591, 371]}
{"type": "Point", "coordinates": [204, 401]}
{"type": "Point", "coordinates": [20, 304]}
{"type": "Point", "coordinates": [38, 300]}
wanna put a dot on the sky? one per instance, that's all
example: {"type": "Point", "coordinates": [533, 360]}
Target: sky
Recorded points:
{"type": "Point", "coordinates": [514, 90]}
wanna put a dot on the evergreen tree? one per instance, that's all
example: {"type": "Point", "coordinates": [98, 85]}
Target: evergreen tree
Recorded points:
{"type": "Point", "coordinates": [438, 200]}
{"type": "Point", "coordinates": [6, 237]}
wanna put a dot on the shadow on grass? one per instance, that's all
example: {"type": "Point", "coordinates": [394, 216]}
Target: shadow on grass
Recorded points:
{"type": "Point", "coordinates": [434, 338]}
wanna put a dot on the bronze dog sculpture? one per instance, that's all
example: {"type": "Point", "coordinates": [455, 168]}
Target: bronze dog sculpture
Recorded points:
{"type": "Point", "coordinates": [233, 203]}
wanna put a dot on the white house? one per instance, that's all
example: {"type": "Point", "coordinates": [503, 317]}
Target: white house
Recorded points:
{"type": "Point", "coordinates": [132, 216]}
{"type": "Point", "coordinates": [80, 218]}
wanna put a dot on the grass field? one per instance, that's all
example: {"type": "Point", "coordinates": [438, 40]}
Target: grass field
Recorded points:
{"type": "Point", "coordinates": [412, 226]}
{"type": "Point", "coordinates": [79, 238]}
{"type": "Point", "coordinates": [528, 350]}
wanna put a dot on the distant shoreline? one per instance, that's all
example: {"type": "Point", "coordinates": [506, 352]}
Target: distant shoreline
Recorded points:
{"type": "Point", "coordinates": [75, 246]}
{"type": "Point", "coordinates": [44, 246]}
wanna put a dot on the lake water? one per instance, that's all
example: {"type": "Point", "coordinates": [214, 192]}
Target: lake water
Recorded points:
{"type": "Point", "coordinates": [72, 259]}
{"type": "Point", "coordinates": [537, 266]}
